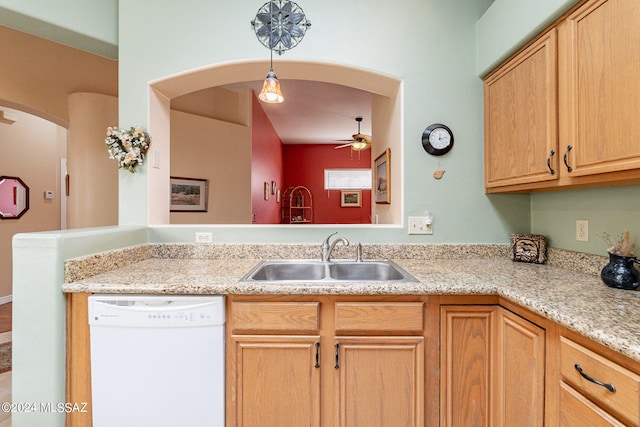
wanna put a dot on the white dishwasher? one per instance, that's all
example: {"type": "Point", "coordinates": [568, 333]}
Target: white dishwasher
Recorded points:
{"type": "Point", "coordinates": [157, 360]}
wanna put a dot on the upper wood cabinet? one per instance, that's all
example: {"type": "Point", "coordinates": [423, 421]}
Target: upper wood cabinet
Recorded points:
{"type": "Point", "coordinates": [601, 82]}
{"type": "Point", "coordinates": [520, 102]}
{"type": "Point", "coordinates": [564, 112]}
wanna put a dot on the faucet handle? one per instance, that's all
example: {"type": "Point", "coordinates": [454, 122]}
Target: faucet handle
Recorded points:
{"type": "Point", "coordinates": [359, 252]}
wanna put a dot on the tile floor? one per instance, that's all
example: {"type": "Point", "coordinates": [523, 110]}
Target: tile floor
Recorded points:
{"type": "Point", "coordinates": [5, 396]}
{"type": "Point", "coordinates": [5, 377]}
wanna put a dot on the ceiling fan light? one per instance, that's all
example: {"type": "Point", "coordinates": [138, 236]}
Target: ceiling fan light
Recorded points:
{"type": "Point", "coordinates": [271, 92]}
{"type": "Point", "coordinates": [359, 145]}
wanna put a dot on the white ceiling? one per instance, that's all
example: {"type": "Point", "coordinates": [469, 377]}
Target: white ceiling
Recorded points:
{"type": "Point", "coordinates": [316, 112]}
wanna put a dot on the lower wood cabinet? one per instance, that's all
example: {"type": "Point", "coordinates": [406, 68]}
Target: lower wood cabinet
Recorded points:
{"type": "Point", "coordinates": [276, 381]}
{"type": "Point", "coordinates": [492, 368]}
{"type": "Point", "coordinates": [596, 390]}
{"type": "Point", "coordinates": [362, 366]}
{"type": "Point", "coordinates": [399, 361]}
{"type": "Point", "coordinates": [379, 381]}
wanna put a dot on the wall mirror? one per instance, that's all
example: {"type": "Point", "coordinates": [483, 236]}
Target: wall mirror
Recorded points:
{"type": "Point", "coordinates": [14, 197]}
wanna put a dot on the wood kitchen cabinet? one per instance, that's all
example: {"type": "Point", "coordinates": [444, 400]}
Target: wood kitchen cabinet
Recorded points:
{"type": "Point", "coordinates": [564, 111]}
{"type": "Point", "coordinates": [273, 378]}
{"type": "Point", "coordinates": [492, 368]}
{"type": "Point", "coordinates": [596, 388]}
{"type": "Point", "coordinates": [521, 141]}
{"type": "Point", "coordinates": [363, 366]}
{"type": "Point", "coordinates": [277, 383]}
{"type": "Point", "coordinates": [600, 88]}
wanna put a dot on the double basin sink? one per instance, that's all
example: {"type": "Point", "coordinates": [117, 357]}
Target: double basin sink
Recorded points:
{"type": "Point", "coordinates": [280, 271]}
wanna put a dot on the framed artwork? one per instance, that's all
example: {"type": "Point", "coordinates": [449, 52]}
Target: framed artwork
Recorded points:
{"type": "Point", "coordinates": [188, 194]}
{"type": "Point", "coordinates": [267, 190]}
{"type": "Point", "coordinates": [383, 177]}
{"type": "Point", "coordinates": [350, 198]}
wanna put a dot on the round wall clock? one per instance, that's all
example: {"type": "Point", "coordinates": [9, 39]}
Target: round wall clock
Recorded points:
{"type": "Point", "coordinates": [437, 139]}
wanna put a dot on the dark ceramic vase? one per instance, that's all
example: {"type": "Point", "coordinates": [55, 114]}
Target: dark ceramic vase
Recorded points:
{"type": "Point", "coordinates": [619, 273]}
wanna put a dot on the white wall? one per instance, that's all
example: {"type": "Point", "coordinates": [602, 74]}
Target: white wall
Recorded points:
{"type": "Point", "coordinates": [220, 152]}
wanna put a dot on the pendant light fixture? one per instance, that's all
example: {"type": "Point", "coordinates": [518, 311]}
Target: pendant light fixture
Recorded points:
{"type": "Point", "coordinates": [285, 33]}
{"type": "Point", "coordinates": [271, 92]}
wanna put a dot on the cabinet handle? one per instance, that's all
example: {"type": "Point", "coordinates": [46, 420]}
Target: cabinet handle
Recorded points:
{"type": "Point", "coordinates": [566, 154]}
{"type": "Point", "coordinates": [551, 171]}
{"type": "Point", "coordinates": [337, 355]}
{"type": "Point", "coordinates": [317, 365]}
{"type": "Point", "coordinates": [609, 387]}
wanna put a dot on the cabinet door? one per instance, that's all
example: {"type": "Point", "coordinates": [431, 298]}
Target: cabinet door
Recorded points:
{"type": "Point", "coordinates": [275, 383]}
{"type": "Point", "coordinates": [521, 117]}
{"type": "Point", "coordinates": [603, 88]}
{"type": "Point", "coordinates": [465, 365]}
{"type": "Point", "coordinates": [492, 368]}
{"type": "Point", "coordinates": [519, 372]}
{"type": "Point", "coordinates": [379, 381]}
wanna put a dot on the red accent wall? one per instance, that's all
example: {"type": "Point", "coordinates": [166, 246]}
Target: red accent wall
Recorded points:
{"type": "Point", "coordinates": [304, 164]}
{"type": "Point", "coordinates": [266, 166]}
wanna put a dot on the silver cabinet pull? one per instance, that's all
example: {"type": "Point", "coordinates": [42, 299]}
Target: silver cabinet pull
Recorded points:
{"type": "Point", "coordinates": [317, 365]}
{"type": "Point", "coordinates": [609, 387]}
{"type": "Point", "coordinates": [337, 355]}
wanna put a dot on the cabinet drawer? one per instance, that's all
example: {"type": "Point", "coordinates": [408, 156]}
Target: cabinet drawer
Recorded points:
{"type": "Point", "coordinates": [624, 402]}
{"type": "Point", "coordinates": [383, 316]}
{"type": "Point", "coordinates": [292, 317]}
{"type": "Point", "coordinates": [577, 411]}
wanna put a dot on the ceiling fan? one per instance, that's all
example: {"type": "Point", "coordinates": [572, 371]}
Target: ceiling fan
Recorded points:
{"type": "Point", "coordinates": [358, 141]}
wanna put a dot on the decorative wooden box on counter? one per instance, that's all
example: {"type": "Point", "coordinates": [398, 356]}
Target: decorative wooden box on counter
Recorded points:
{"type": "Point", "coordinates": [482, 330]}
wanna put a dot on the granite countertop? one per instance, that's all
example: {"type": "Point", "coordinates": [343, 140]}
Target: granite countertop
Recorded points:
{"type": "Point", "coordinates": [578, 301]}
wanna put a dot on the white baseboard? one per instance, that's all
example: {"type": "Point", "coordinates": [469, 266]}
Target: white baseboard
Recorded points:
{"type": "Point", "coordinates": [6, 299]}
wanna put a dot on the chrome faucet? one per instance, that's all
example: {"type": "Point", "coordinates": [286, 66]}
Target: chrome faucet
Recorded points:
{"type": "Point", "coordinates": [327, 247]}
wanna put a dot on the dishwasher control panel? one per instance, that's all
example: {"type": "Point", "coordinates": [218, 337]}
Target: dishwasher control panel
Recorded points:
{"type": "Point", "coordinates": [156, 311]}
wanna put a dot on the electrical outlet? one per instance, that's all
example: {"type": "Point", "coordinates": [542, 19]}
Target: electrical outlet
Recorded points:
{"type": "Point", "coordinates": [203, 237]}
{"type": "Point", "coordinates": [582, 230]}
{"type": "Point", "coordinates": [420, 225]}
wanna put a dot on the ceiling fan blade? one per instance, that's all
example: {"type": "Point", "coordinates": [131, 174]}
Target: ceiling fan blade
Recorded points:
{"type": "Point", "coordinates": [343, 146]}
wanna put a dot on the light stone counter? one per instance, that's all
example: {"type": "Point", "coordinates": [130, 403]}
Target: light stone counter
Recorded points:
{"type": "Point", "coordinates": [576, 300]}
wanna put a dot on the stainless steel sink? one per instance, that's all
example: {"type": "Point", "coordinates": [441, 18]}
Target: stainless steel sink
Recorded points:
{"type": "Point", "coordinates": [365, 271]}
{"type": "Point", "coordinates": [287, 271]}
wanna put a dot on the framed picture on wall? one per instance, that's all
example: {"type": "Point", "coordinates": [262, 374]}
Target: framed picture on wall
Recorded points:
{"type": "Point", "coordinates": [189, 194]}
{"type": "Point", "coordinates": [383, 177]}
{"type": "Point", "coordinates": [350, 198]}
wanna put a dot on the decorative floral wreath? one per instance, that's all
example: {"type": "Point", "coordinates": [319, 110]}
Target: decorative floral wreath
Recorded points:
{"type": "Point", "coordinates": [127, 146]}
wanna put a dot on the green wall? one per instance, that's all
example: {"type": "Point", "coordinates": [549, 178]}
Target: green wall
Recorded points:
{"type": "Point", "coordinates": [429, 44]}
{"type": "Point", "coordinates": [608, 210]}
{"type": "Point", "coordinates": [509, 24]}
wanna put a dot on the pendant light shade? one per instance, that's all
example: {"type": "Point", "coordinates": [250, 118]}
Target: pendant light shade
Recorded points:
{"type": "Point", "coordinates": [271, 92]}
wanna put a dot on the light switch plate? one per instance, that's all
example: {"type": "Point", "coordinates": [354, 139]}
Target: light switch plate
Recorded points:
{"type": "Point", "coordinates": [420, 225]}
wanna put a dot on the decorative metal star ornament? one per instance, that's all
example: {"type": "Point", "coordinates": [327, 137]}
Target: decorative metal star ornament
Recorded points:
{"type": "Point", "coordinates": [280, 25]}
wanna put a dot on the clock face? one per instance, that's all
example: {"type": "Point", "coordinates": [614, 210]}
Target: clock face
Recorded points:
{"type": "Point", "coordinates": [437, 139]}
